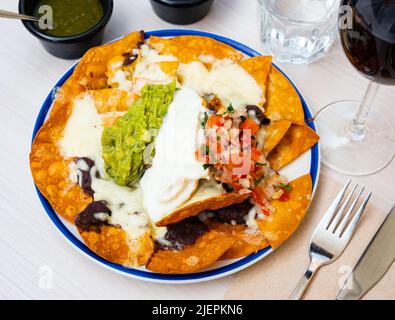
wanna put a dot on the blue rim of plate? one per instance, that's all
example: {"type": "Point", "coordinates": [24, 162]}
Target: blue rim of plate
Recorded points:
{"type": "Point", "coordinates": [157, 277]}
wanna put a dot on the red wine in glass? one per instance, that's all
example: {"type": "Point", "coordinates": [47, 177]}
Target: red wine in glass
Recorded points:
{"type": "Point", "coordinates": [370, 42]}
{"type": "Point", "coordinates": [356, 139]}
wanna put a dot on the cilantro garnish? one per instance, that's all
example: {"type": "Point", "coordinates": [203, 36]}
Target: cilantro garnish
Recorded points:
{"type": "Point", "coordinates": [204, 121]}
{"type": "Point", "coordinates": [230, 108]}
{"type": "Point", "coordinates": [261, 164]}
{"type": "Point", "coordinates": [205, 150]}
{"type": "Point", "coordinates": [287, 187]}
{"type": "Point", "coordinates": [258, 180]}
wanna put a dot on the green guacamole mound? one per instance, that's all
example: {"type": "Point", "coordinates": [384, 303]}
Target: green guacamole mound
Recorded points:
{"type": "Point", "coordinates": [124, 142]}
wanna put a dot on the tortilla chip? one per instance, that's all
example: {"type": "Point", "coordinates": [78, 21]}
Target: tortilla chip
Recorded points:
{"type": "Point", "coordinates": [194, 48]}
{"type": "Point", "coordinates": [282, 100]}
{"type": "Point", "coordinates": [111, 243]}
{"type": "Point", "coordinates": [50, 173]}
{"type": "Point", "coordinates": [247, 241]}
{"type": "Point", "coordinates": [112, 100]}
{"type": "Point", "coordinates": [259, 67]}
{"type": "Point", "coordinates": [288, 214]}
{"type": "Point", "coordinates": [296, 141]}
{"type": "Point", "coordinates": [169, 67]}
{"type": "Point", "coordinates": [207, 249]}
{"type": "Point", "coordinates": [275, 131]}
{"type": "Point", "coordinates": [109, 121]}
{"type": "Point", "coordinates": [193, 209]}
{"type": "Point", "coordinates": [91, 70]}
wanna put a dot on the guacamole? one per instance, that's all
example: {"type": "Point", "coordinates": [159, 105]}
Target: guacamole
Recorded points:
{"type": "Point", "coordinates": [124, 142]}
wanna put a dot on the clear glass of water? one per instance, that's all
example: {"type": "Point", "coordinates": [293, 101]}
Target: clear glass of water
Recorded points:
{"type": "Point", "coordinates": [298, 31]}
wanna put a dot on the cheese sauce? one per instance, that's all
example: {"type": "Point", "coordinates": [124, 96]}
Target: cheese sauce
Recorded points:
{"type": "Point", "coordinates": [228, 80]}
{"type": "Point", "coordinates": [82, 134]}
{"type": "Point", "coordinates": [148, 70]}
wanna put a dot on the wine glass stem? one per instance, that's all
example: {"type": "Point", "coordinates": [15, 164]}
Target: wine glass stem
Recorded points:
{"type": "Point", "coordinates": [358, 125]}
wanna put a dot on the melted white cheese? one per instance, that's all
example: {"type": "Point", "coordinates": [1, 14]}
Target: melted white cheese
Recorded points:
{"type": "Point", "coordinates": [250, 219]}
{"type": "Point", "coordinates": [120, 78]}
{"type": "Point", "coordinates": [82, 138]}
{"type": "Point", "coordinates": [175, 171]}
{"type": "Point", "coordinates": [82, 134]}
{"type": "Point", "coordinates": [148, 70]}
{"type": "Point", "coordinates": [125, 204]}
{"type": "Point", "coordinates": [228, 80]}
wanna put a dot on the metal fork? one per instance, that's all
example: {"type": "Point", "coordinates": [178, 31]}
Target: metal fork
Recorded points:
{"type": "Point", "coordinates": [332, 235]}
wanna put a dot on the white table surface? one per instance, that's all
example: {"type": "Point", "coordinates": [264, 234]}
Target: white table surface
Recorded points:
{"type": "Point", "coordinates": [30, 244]}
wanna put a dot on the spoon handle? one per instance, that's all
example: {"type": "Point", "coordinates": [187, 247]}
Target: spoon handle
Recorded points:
{"type": "Point", "coordinates": [13, 15]}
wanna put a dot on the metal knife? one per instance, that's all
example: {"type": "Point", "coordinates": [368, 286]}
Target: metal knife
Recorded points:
{"type": "Point", "coordinates": [374, 263]}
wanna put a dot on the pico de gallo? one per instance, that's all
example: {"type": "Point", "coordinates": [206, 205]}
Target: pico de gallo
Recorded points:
{"type": "Point", "coordinates": [232, 149]}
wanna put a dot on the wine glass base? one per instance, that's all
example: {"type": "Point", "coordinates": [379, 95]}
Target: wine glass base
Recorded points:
{"type": "Point", "coordinates": [342, 152]}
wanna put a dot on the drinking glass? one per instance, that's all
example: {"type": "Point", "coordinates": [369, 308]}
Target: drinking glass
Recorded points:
{"type": "Point", "coordinates": [298, 31]}
{"type": "Point", "coordinates": [356, 139]}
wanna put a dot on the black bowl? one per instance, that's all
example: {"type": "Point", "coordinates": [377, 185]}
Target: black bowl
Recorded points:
{"type": "Point", "coordinates": [69, 47]}
{"type": "Point", "coordinates": [181, 11]}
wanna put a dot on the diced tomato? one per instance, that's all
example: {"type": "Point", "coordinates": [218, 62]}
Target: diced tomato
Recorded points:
{"type": "Point", "coordinates": [249, 124]}
{"type": "Point", "coordinates": [258, 195]}
{"type": "Point", "coordinates": [284, 196]}
{"type": "Point", "coordinates": [266, 212]}
{"type": "Point", "coordinates": [255, 154]}
{"type": "Point", "coordinates": [215, 120]}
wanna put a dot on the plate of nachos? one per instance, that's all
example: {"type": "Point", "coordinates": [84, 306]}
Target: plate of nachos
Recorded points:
{"type": "Point", "coordinates": [175, 156]}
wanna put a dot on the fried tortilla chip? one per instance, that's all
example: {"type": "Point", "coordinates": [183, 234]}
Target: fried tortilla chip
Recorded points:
{"type": "Point", "coordinates": [275, 131]}
{"type": "Point", "coordinates": [282, 100]}
{"type": "Point", "coordinates": [258, 67]}
{"type": "Point", "coordinates": [112, 244]}
{"type": "Point", "coordinates": [288, 214]}
{"type": "Point", "coordinates": [207, 249]}
{"type": "Point", "coordinates": [50, 172]}
{"type": "Point", "coordinates": [247, 241]}
{"type": "Point", "coordinates": [112, 100]}
{"type": "Point", "coordinates": [296, 141]}
{"type": "Point", "coordinates": [194, 208]}
{"type": "Point", "coordinates": [194, 48]}
{"type": "Point", "coordinates": [91, 70]}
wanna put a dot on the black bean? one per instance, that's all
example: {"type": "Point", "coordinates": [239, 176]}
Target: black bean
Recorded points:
{"type": "Point", "coordinates": [182, 234]}
{"type": "Point", "coordinates": [86, 220]}
{"type": "Point", "coordinates": [129, 58]}
{"type": "Point", "coordinates": [255, 112]}
{"type": "Point", "coordinates": [228, 188]}
{"type": "Point", "coordinates": [85, 180]}
{"type": "Point", "coordinates": [235, 213]}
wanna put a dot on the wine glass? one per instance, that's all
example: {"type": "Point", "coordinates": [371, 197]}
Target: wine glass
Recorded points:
{"type": "Point", "coordinates": [356, 139]}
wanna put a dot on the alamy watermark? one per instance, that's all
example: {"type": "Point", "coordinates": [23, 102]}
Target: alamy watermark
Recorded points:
{"type": "Point", "coordinates": [45, 277]}
{"type": "Point", "coordinates": [46, 19]}
{"type": "Point", "coordinates": [345, 272]}
{"type": "Point", "coordinates": [345, 17]}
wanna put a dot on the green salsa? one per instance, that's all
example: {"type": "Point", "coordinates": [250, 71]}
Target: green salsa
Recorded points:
{"type": "Point", "coordinates": [71, 17]}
